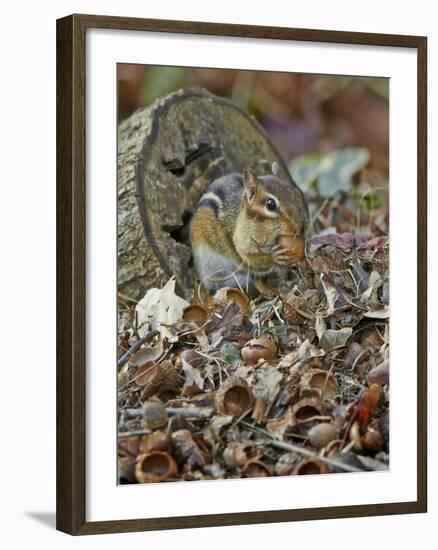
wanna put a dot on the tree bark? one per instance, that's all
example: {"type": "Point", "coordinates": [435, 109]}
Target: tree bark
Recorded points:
{"type": "Point", "coordinates": [168, 153]}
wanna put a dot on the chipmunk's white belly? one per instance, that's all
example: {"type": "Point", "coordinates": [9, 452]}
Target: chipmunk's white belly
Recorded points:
{"type": "Point", "coordinates": [217, 271]}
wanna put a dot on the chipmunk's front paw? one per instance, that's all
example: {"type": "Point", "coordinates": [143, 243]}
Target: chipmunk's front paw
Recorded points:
{"type": "Point", "coordinates": [281, 255]}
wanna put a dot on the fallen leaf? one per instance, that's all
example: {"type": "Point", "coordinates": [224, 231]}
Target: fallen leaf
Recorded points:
{"type": "Point", "coordinates": [221, 322]}
{"type": "Point", "coordinates": [330, 292]}
{"type": "Point", "coordinates": [278, 427]}
{"type": "Point", "coordinates": [304, 352]}
{"type": "Point", "coordinates": [268, 383]}
{"type": "Point", "coordinates": [333, 172]}
{"type": "Point", "coordinates": [158, 308]}
{"type": "Point", "coordinates": [230, 353]}
{"type": "Point", "coordinates": [218, 422]}
{"type": "Point", "coordinates": [374, 283]}
{"type": "Point", "coordinates": [194, 383]}
{"type": "Point", "coordinates": [308, 350]}
{"type": "Point", "coordinates": [320, 326]}
{"type": "Point", "coordinates": [186, 451]}
{"type": "Point", "coordinates": [382, 313]}
{"type": "Point", "coordinates": [380, 374]}
{"type": "Point", "coordinates": [333, 339]}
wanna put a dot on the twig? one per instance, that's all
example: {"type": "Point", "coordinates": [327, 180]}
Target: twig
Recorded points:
{"type": "Point", "coordinates": [135, 347]}
{"type": "Point", "coordinates": [134, 433]}
{"type": "Point", "coordinates": [191, 412]}
{"type": "Point", "coordinates": [305, 452]}
{"type": "Point", "coordinates": [126, 298]}
{"type": "Point", "coordinates": [313, 418]}
{"type": "Point", "coordinates": [310, 316]}
{"type": "Point", "coordinates": [302, 450]}
{"type": "Point", "coordinates": [181, 412]}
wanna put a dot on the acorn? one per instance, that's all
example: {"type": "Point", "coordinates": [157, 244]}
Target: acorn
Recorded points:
{"type": "Point", "coordinates": [154, 415]}
{"type": "Point", "coordinates": [258, 348]}
{"type": "Point", "coordinates": [234, 397]}
{"type": "Point", "coordinates": [372, 440]}
{"type": "Point", "coordinates": [294, 247]}
{"type": "Point", "coordinates": [154, 467]}
{"type": "Point", "coordinates": [322, 434]}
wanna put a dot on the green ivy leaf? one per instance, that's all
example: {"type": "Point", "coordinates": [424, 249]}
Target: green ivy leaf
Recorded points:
{"type": "Point", "coordinates": [332, 172]}
{"type": "Point", "coordinates": [230, 353]}
{"type": "Point", "coordinates": [305, 170]}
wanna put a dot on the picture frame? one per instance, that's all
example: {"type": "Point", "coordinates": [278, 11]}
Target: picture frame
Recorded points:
{"type": "Point", "coordinates": [72, 262]}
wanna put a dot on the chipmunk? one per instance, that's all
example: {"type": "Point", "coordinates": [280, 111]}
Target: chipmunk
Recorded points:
{"type": "Point", "coordinates": [246, 228]}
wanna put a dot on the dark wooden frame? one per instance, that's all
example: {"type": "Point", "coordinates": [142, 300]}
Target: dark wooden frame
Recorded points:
{"type": "Point", "coordinates": [71, 231]}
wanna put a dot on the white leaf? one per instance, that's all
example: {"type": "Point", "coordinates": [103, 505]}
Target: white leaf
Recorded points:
{"type": "Point", "coordinates": [378, 313]}
{"type": "Point", "coordinates": [330, 293]}
{"type": "Point", "coordinates": [158, 307]}
{"type": "Point", "coordinates": [308, 350]}
{"type": "Point", "coordinates": [320, 326]}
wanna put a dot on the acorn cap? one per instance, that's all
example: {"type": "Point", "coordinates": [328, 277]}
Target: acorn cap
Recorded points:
{"type": "Point", "coordinates": [256, 468]}
{"type": "Point", "coordinates": [311, 466]}
{"type": "Point", "coordinates": [154, 467]}
{"type": "Point", "coordinates": [157, 378]}
{"type": "Point", "coordinates": [322, 381]}
{"type": "Point", "coordinates": [196, 314]}
{"type": "Point", "coordinates": [228, 294]}
{"type": "Point", "coordinates": [234, 397]}
{"type": "Point", "coordinates": [304, 412]}
{"type": "Point", "coordinates": [258, 348]}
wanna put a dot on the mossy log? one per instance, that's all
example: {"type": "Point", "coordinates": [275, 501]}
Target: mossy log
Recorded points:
{"type": "Point", "coordinates": [168, 153]}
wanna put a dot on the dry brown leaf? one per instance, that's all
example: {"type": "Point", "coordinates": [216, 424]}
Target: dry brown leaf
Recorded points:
{"type": "Point", "coordinates": [278, 427]}
{"type": "Point", "coordinates": [194, 383]}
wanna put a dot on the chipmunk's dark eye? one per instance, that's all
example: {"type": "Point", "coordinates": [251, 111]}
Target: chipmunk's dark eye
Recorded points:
{"type": "Point", "coordinates": [271, 204]}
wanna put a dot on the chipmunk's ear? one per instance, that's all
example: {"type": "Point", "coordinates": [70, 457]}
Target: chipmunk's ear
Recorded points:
{"type": "Point", "coordinates": [250, 185]}
{"type": "Point", "coordinates": [276, 170]}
